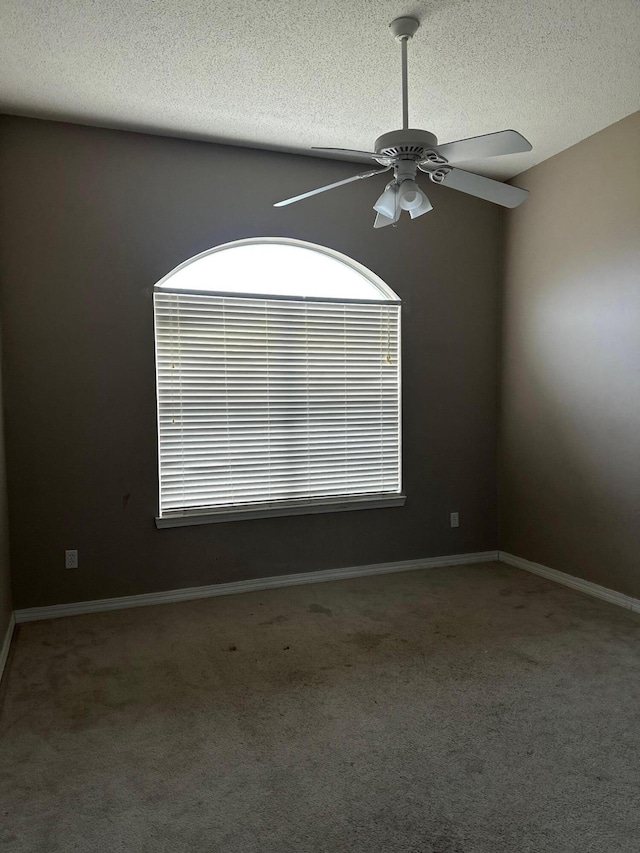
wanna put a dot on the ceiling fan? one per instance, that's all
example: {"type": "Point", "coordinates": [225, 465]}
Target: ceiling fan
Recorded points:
{"type": "Point", "coordinates": [408, 150]}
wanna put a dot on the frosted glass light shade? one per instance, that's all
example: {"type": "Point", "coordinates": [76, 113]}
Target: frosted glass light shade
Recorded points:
{"type": "Point", "coordinates": [387, 204]}
{"type": "Point", "coordinates": [409, 195]}
{"type": "Point", "coordinates": [424, 207]}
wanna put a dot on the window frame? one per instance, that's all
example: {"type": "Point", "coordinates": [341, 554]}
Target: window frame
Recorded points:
{"type": "Point", "coordinates": [283, 507]}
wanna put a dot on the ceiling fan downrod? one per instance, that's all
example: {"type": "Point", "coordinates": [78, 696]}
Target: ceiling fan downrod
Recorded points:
{"type": "Point", "coordinates": [403, 29]}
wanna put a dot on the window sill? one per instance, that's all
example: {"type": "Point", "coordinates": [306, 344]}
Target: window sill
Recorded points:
{"type": "Point", "coordinates": [281, 508]}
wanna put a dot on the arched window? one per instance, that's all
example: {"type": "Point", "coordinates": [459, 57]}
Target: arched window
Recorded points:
{"type": "Point", "coordinates": [278, 384]}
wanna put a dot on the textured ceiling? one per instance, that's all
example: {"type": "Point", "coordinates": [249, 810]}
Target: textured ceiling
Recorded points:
{"type": "Point", "coordinates": [289, 74]}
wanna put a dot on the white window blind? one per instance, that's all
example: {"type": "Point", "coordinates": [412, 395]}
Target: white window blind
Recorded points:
{"type": "Point", "coordinates": [265, 400]}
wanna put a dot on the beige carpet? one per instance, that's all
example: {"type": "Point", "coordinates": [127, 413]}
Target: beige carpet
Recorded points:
{"type": "Point", "coordinates": [472, 709]}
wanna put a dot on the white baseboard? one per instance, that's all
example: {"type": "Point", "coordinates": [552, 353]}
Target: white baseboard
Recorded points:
{"type": "Point", "coordinates": [581, 585]}
{"type": "Point", "coordinates": [55, 611]}
{"type": "Point", "coordinates": [6, 644]}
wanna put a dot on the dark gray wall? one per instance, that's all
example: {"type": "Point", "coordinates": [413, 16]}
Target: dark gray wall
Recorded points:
{"type": "Point", "coordinates": [570, 429]}
{"type": "Point", "coordinates": [90, 220]}
{"type": "Point", "coordinates": [6, 606]}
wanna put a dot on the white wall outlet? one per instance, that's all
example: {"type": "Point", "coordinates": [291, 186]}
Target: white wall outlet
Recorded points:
{"type": "Point", "coordinates": [455, 519]}
{"type": "Point", "coordinates": [71, 559]}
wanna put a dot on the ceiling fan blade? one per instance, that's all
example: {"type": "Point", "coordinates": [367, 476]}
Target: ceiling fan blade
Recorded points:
{"type": "Point", "coordinates": [359, 177]}
{"type": "Point", "coordinates": [489, 145]}
{"type": "Point", "coordinates": [345, 151]}
{"type": "Point", "coordinates": [479, 186]}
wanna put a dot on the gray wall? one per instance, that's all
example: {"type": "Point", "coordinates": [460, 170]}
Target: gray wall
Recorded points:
{"type": "Point", "coordinates": [91, 219]}
{"type": "Point", "coordinates": [570, 427]}
{"type": "Point", "coordinates": [6, 606]}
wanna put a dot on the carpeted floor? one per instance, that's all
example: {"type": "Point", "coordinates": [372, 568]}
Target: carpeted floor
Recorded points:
{"type": "Point", "coordinates": [475, 709]}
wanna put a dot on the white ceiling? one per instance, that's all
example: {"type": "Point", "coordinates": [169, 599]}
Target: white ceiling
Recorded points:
{"type": "Point", "coordinates": [289, 74]}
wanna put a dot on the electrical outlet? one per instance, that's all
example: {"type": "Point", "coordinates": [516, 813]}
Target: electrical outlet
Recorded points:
{"type": "Point", "coordinates": [71, 559]}
{"type": "Point", "coordinates": [455, 519]}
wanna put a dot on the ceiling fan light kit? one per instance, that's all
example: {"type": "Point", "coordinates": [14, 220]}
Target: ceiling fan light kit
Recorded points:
{"type": "Point", "coordinates": [410, 150]}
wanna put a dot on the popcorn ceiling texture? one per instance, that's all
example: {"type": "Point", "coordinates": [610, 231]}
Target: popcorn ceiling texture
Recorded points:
{"type": "Point", "coordinates": [290, 75]}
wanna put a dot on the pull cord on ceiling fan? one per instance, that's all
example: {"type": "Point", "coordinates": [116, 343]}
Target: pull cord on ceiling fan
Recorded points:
{"type": "Point", "coordinates": [408, 150]}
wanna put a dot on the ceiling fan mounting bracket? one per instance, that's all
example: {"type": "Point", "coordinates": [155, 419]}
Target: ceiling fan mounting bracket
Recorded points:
{"type": "Point", "coordinates": [404, 27]}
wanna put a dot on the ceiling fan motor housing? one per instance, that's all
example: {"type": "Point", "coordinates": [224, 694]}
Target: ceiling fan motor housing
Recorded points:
{"type": "Point", "coordinates": [407, 144]}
